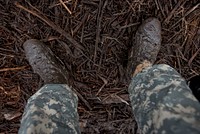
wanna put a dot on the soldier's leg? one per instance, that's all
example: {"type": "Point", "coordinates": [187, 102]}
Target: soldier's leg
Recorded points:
{"type": "Point", "coordinates": [53, 109]}
{"type": "Point", "coordinates": [163, 103]}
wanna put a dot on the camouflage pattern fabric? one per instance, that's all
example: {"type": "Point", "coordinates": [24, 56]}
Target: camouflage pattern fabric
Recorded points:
{"type": "Point", "coordinates": [53, 109]}
{"type": "Point", "coordinates": [163, 103]}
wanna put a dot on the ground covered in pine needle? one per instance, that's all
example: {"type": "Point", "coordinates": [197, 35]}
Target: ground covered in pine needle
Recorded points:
{"type": "Point", "coordinates": [92, 38]}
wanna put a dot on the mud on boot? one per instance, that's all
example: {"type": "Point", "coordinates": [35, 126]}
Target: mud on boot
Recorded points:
{"type": "Point", "coordinates": [45, 63]}
{"type": "Point", "coordinates": [147, 45]}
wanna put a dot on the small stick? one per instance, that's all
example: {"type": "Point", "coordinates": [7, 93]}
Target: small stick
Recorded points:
{"type": "Point", "coordinates": [82, 99]}
{"type": "Point", "coordinates": [57, 4]}
{"type": "Point", "coordinates": [99, 19]}
{"type": "Point", "coordinates": [105, 83]}
{"type": "Point", "coordinates": [51, 24]}
{"type": "Point", "coordinates": [130, 5]}
{"type": "Point", "coordinates": [186, 14]}
{"type": "Point", "coordinates": [157, 6]}
{"type": "Point", "coordinates": [129, 25]}
{"type": "Point", "coordinates": [173, 10]}
{"type": "Point", "coordinates": [65, 6]}
{"type": "Point", "coordinates": [192, 58]}
{"type": "Point", "coordinates": [75, 4]}
{"type": "Point", "coordinates": [12, 69]}
{"type": "Point", "coordinates": [81, 23]}
{"type": "Point", "coordinates": [160, 7]}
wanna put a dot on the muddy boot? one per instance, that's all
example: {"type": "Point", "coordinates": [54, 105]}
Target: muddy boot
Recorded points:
{"type": "Point", "coordinates": [45, 63]}
{"type": "Point", "coordinates": [146, 47]}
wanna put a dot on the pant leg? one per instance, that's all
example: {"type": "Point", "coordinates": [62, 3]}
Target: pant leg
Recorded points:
{"type": "Point", "coordinates": [163, 103]}
{"type": "Point", "coordinates": [53, 109]}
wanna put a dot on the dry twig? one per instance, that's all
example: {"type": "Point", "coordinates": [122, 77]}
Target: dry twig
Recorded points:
{"type": "Point", "coordinates": [186, 14]}
{"type": "Point", "coordinates": [51, 24]}
{"type": "Point", "coordinates": [65, 6]}
{"type": "Point", "coordinates": [173, 11]}
{"type": "Point", "coordinates": [12, 69]}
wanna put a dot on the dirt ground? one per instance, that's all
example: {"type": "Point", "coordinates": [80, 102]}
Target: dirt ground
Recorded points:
{"type": "Point", "coordinates": [92, 38]}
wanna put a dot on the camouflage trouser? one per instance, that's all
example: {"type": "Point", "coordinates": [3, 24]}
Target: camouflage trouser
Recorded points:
{"type": "Point", "coordinates": [53, 109]}
{"type": "Point", "coordinates": [163, 103]}
{"type": "Point", "coordinates": [160, 98]}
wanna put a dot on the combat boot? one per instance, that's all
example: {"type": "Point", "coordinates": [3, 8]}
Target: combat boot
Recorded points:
{"type": "Point", "coordinates": [45, 63]}
{"type": "Point", "coordinates": [147, 45]}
